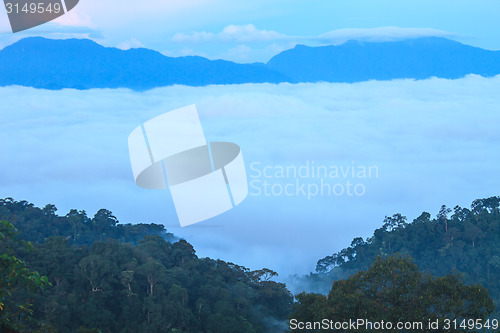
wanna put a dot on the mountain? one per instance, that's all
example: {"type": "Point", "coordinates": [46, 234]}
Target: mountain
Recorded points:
{"type": "Point", "coordinates": [96, 275]}
{"type": "Point", "coordinates": [464, 241]}
{"type": "Point", "coordinates": [36, 225]}
{"type": "Point", "coordinates": [83, 64]}
{"type": "Point", "coordinates": [356, 61]}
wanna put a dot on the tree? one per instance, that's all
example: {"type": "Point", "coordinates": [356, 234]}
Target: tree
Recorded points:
{"type": "Point", "coordinates": [443, 215]}
{"type": "Point", "coordinates": [394, 290]}
{"type": "Point", "coordinates": [104, 222]}
{"type": "Point", "coordinates": [395, 222]}
{"type": "Point", "coordinates": [15, 276]}
{"type": "Point", "coordinates": [49, 210]}
{"type": "Point", "coordinates": [100, 284]}
{"type": "Point", "coordinates": [154, 272]}
{"type": "Point", "coordinates": [77, 220]}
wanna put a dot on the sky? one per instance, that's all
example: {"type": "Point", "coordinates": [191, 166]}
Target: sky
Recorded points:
{"type": "Point", "coordinates": [254, 31]}
{"type": "Point", "coordinates": [432, 142]}
{"type": "Point", "coordinates": [428, 142]}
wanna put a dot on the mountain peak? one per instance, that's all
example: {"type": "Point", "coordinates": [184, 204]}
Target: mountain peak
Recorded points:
{"type": "Point", "coordinates": [36, 42]}
{"type": "Point", "coordinates": [84, 64]}
{"type": "Point", "coordinates": [355, 61]}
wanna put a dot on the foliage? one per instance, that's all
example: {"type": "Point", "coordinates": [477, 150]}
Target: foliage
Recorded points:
{"type": "Point", "coordinates": [15, 278]}
{"type": "Point", "coordinates": [393, 290]}
{"type": "Point", "coordinates": [101, 284]}
{"type": "Point", "coordinates": [154, 286]}
{"type": "Point", "coordinates": [36, 225]}
{"type": "Point", "coordinates": [102, 276]}
{"type": "Point", "coordinates": [466, 242]}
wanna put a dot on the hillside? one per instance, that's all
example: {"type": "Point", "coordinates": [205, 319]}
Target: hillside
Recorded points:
{"type": "Point", "coordinates": [107, 285]}
{"type": "Point", "coordinates": [464, 241]}
{"type": "Point", "coordinates": [83, 64]}
{"type": "Point", "coordinates": [96, 275]}
{"type": "Point", "coordinates": [37, 224]}
{"type": "Point", "coordinates": [361, 61]}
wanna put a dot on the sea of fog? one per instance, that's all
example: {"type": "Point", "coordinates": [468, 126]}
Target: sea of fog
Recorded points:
{"type": "Point", "coordinates": [325, 162]}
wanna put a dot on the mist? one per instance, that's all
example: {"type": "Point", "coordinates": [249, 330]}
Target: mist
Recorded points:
{"type": "Point", "coordinates": [432, 142]}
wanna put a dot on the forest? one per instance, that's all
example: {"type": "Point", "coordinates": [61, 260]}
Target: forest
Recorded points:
{"type": "Point", "coordinates": [76, 273]}
{"type": "Point", "coordinates": [94, 276]}
{"type": "Point", "coordinates": [461, 241]}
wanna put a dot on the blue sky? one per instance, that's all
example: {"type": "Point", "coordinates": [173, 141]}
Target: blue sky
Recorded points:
{"type": "Point", "coordinates": [255, 31]}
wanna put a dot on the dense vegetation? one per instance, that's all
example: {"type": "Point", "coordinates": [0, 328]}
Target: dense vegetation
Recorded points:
{"type": "Point", "coordinates": [15, 277]}
{"type": "Point", "coordinates": [393, 295]}
{"type": "Point", "coordinates": [96, 275]}
{"type": "Point", "coordinates": [112, 286]}
{"type": "Point", "coordinates": [464, 241]}
{"type": "Point", "coordinates": [36, 225]}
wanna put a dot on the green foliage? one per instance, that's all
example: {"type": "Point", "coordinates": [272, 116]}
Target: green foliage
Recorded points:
{"type": "Point", "coordinates": [102, 276]}
{"type": "Point", "coordinates": [101, 284]}
{"type": "Point", "coordinates": [16, 279]}
{"type": "Point", "coordinates": [394, 290]}
{"type": "Point", "coordinates": [36, 225]}
{"type": "Point", "coordinates": [467, 243]}
{"type": "Point", "coordinates": [155, 286]}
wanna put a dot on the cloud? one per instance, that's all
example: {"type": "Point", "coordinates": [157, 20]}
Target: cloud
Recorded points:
{"type": "Point", "coordinates": [230, 34]}
{"type": "Point", "coordinates": [431, 140]}
{"type": "Point", "coordinates": [75, 18]}
{"type": "Point", "coordinates": [243, 53]}
{"type": "Point", "coordinates": [380, 34]}
{"type": "Point", "coordinates": [239, 43]}
{"type": "Point", "coordinates": [240, 52]}
{"type": "Point", "coordinates": [247, 43]}
{"type": "Point", "coordinates": [129, 44]}
{"type": "Point", "coordinates": [249, 33]}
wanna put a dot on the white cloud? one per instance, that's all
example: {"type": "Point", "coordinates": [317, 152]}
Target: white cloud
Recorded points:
{"type": "Point", "coordinates": [380, 34]}
{"type": "Point", "coordinates": [239, 43]}
{"type": "Point", "coordinates": [240, 53]}
{"type": "Point", "coordinates": [230, 34]}
{"type": "Point", "coordinates": [432, 140]}
{"type": "Point", "coordinates": [75, 18]}
{"type": "Point", "coordinates": [184, 52]}
{"type": "Point", "coordinates": [4, 23]}
{"type": "Point", "coordinates": [129, 44]}
{"type": "Point", "coordinates": [246, 43]}
{"type": "Point", "coordinates": [195, 37]}
{"type": "Point", "coordinates": [249, 33]}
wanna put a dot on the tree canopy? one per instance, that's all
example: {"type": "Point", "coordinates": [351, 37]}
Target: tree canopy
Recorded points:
{"type": "Point", "coordinates": [83, 274]}
{"type": "Point", "coordinates": [99, 277]}
{"type": "Point", "coordinates": [15, 278]}
{"type": "Point", "coordinates": [464, 241]}
{"type": "Point", "coordinates": [393, 290]}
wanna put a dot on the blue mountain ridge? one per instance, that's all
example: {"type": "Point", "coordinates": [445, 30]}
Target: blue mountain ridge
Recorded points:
{"type": "Point", "coordinates": [83, 64]}
{"type": "Point", "coordinates": [356, 61]}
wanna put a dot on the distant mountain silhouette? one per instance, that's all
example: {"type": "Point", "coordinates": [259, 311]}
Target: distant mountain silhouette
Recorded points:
{"type": "Point", "coordinates": [356, 61]}
{"type": "Point", "coordinates": [83, 64]}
